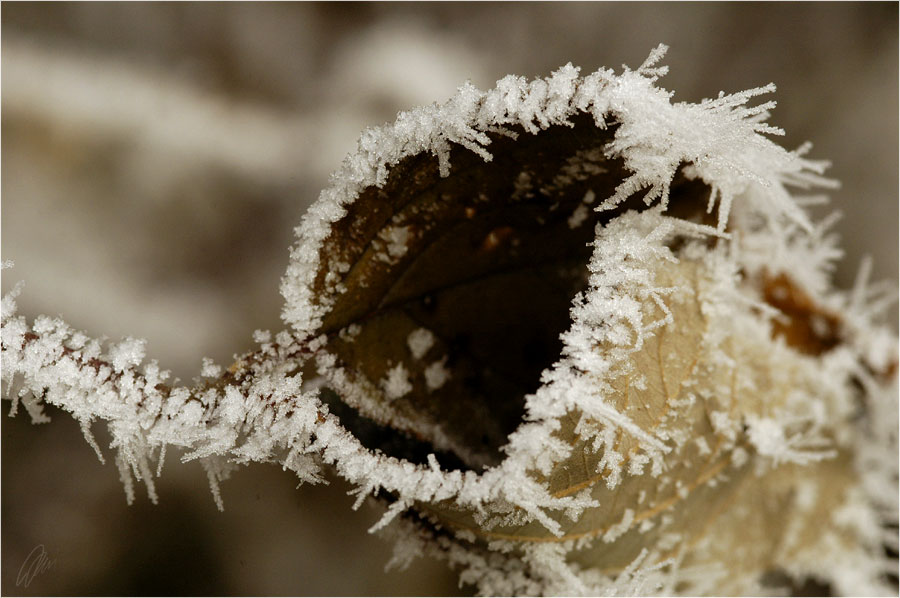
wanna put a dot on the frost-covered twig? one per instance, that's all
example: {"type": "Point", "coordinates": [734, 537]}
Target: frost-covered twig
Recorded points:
{"type": "Point", "coordinates": [256, 411]}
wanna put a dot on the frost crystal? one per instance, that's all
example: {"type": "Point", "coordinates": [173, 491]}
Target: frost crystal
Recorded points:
{"type": "Point", "coordinates": [210, 369]}
{"type": "Point", "coordinates": [127, 354]}
{"type": "Point", "coordinates": [396, 384]}
{"type": "Point", "coordinates": [420, 341]}
{"type": "Point", "coordinates": [396, 239]}
{"type": "Point", "coordinates": [578, 216]}
{"type": "Point", "coordinates": [437, 374]}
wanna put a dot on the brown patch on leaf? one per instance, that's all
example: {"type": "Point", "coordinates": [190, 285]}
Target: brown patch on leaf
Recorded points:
{"type": "Point", "coordinates": [808, 327]}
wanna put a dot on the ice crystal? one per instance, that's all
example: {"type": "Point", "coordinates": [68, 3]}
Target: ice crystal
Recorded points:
{"type": "Point", "coordinates": [396, 384]}
{"type": "Point", "coordinates": [437, 374]}
{"type": "Point", "coordinates": [420, 341]}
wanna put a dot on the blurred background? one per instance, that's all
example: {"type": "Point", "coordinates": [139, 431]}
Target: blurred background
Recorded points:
{"type": "Point", "coordinates": [156, 158]}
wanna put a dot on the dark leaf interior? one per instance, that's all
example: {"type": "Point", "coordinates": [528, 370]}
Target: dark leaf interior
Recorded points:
{"type": "Point", "coordinates": [488, 260]}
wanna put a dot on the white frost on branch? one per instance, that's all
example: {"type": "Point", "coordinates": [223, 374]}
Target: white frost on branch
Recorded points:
{"type": "Point", "coordinates": [261, 414]}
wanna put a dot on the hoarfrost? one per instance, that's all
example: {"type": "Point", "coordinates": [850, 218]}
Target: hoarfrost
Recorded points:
{"type": "Point", "coordinates": [209, 369]}
{"type": "Point", "coordinates": [420, 341]}
{"type": "Point", "coordinates": [801, 413]}
{"type": "Point", "coordinates": [396, 243]}
{"type": "Point", "coordinates": [522, 188]}
{"type": "Point", "coordinates": [127, 354]}
{"type": "Point", "coordinates": [396, 384]}
{"type": "Point", "coordinates": [578, 216]}
{"type": "Point", "coordinates": [437, 374]}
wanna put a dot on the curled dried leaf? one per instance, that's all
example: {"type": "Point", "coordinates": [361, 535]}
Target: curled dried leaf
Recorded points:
{"type": "Point", "coordinates": [580, 339]}
{"type": "Point", "coordinates": [570, 382]}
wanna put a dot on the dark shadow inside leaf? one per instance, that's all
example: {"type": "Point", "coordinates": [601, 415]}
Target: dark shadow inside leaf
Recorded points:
{"type": "Point", "coordinates": [387, 440]}
{"type": "Point", "coordinates": [487, 261]}
{"type": "Point", "coordinates": [780, 582]}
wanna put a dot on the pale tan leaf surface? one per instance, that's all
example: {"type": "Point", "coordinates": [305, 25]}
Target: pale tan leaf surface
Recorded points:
{"type": "Point", "coordinates": [711, 502]}
{"type": "Point", "coordinates": [785, 519]}
{"type": "Point", "coordinates": [694, 482]}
